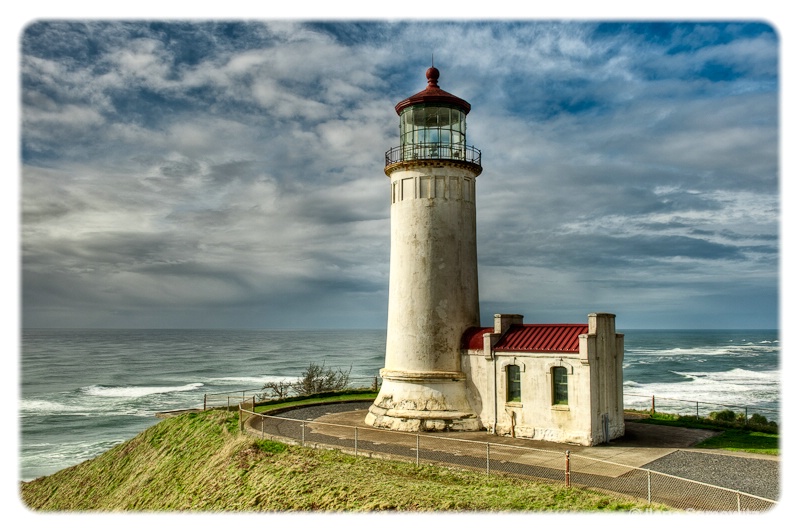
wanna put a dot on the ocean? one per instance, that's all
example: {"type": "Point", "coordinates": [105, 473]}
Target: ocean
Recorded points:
{"type": "Point", "coordinates": [83, 391]}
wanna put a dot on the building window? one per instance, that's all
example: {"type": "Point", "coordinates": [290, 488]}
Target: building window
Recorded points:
{"type": "Point", "coordinates": [560, 392]}
{"type": "Point", "coordinates": [513, 385]}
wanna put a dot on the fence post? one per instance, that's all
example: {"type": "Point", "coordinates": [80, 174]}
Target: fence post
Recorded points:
{"type": "Point", "coordinates": [240, 418]}
{"type": "Point", "coordinates": [303, 435]}
{"type": "Point", "coordinates": [566, 469]}
{"type": "Point", "coordinates": [263, 422]}
{"type": "Point", "coordinates": [697, 410]}
{"type": "Point", "coordinates": [649, 492]}
{"type": "Point", "coordinates": [739, 501]}
{"type": "Point", "coordinates": [417, 449]}
{"type": "Point", "coordinates": [652, 405]}
{"type": "Point", "coordinates": [487, 457]}
{"type": "Point", "coordinates": [205, 401]}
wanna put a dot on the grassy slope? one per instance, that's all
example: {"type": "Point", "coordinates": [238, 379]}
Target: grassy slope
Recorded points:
{"type": "Point", "coordinates": [199, 461]}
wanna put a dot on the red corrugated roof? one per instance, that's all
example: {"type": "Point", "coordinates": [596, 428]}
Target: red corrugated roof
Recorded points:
{"type": "Point", "coordinates": [473, 337]}
{"type": "Point", "coordinates": [560, 338]}
{"type": "Point", "coordinates": [536, 338]}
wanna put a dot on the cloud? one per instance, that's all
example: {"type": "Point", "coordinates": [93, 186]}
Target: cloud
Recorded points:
{"type": "Point", "coordinates": [231, 173]}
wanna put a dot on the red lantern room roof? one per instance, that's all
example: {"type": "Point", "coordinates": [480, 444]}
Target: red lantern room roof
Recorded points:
{"type": "Point", "coordinates": [433, 94]}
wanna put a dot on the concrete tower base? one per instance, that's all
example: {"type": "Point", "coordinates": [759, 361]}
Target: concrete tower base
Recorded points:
{"type": "Point", "coordinates": [426, 401]}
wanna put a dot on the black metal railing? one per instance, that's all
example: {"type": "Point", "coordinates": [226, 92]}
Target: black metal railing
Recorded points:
{"type": "Point", "coordinates": [451, 152]}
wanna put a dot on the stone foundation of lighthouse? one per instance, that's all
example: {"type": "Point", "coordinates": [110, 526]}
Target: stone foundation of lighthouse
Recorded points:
{"type": "Point", "coordinates": [433, 298]}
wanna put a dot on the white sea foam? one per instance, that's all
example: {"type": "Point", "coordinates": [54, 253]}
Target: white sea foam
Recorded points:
{"type": "Point", "coordinates": [251, 380]}
{"type": "Point", "coordinates": [137, 391]}
{"type": "Point", "coordinates": [44, 407]}
{"type": "Point", "coordinates": [631, 384]}
{"type": "Point", "coordinates": [96, 406]}
{"type": "Point", "coordinates": [736, 350]}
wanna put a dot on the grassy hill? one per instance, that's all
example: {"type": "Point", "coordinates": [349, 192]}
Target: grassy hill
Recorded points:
{"type": "Point", "coordinates": [200, 462]}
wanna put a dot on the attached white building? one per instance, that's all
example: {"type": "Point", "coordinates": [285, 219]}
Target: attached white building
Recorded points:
{"type": "Point", "coordinates": [554, 382]}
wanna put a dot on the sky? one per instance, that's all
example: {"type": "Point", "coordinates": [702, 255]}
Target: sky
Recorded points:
{"type": "Point", "coordinates": [229, 173]}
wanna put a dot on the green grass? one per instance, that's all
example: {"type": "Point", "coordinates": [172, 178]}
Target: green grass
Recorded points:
{"type": "Point", "coordinates": [743, 440]}
{"type": "Point", "coordinates": [195, 462]}
{"type": "Point", "coordinates": [731, 439]}
{"type": "Point", "coordinates": [354, 395]}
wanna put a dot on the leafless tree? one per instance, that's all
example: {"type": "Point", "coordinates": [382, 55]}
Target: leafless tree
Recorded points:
{"type": "Point", "coordinates": [277, 389]}
{"type": "Point", "coordinates": [316, 378]}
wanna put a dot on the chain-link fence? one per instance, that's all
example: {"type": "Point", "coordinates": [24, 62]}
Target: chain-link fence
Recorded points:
{"type": "Point", "coordinates": [495, 458]}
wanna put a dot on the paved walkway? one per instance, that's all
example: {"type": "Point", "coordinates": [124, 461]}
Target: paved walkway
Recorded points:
{"type": "Point", "coordinates": [659, 448]}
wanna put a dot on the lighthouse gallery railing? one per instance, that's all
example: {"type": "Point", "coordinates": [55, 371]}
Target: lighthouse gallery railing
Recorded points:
{"type": "Point", "coordinates": [450, 152]}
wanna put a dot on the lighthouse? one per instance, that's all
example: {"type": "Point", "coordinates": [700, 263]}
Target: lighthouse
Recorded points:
{"type": "Point", "coordinates": [433, 276]}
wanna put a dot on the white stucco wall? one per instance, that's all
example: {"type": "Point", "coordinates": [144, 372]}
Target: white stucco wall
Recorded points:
{"type": "Point", "coordinates": [433, 272]}
{"type": "Point", "coordinates": [433, 298]}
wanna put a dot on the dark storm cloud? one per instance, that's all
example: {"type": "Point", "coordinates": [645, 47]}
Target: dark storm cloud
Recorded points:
{"type": "Point", "coordinates": [231, 173]}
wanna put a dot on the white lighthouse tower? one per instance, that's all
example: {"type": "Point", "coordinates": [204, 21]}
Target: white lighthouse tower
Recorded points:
{"type": "Point", "coordinates": [433, 277]}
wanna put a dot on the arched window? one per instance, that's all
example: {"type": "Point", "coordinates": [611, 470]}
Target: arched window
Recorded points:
{"type": "Point", "coordinates": [513, 385]}
{"type": "Point", "coordinates": [560, 391]}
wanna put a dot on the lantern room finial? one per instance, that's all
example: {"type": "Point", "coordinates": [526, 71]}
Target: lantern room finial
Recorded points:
{"type": "Point", "coordinates": [433, 77]}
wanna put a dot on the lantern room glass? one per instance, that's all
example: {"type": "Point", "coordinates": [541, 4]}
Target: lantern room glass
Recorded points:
{"type": "Point", "coordinates": [433, 132]}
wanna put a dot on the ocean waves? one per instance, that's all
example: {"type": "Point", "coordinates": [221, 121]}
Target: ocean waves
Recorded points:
{"type": "Point", "coordinates": [746, 350]}
{"type": "Point", "coordinates": [43, 458]}
{"type": "Point", "coordinates": [103, 400]}
{"type": "Point", "coordinates": [137, 391]}
{"type": "Point", "coordinates": [737, 388]}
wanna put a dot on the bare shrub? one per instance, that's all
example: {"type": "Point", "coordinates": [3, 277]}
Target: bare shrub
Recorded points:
{"type": "Point", "coordinates": [276, 389]}
{"type": "Point", "coordinates": [316, 378]}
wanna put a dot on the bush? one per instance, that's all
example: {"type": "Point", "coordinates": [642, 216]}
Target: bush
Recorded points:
{"type": "Point", "coordinates": [723, 415]}
{"type": "Point", "coordinates": [759, 422]}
